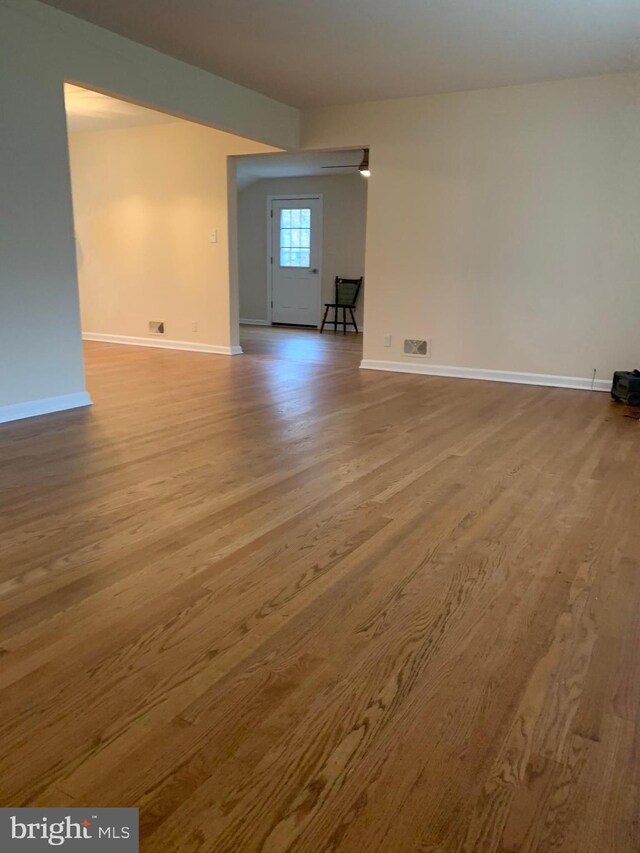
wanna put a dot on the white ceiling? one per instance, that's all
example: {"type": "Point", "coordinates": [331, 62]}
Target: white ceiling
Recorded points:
{"type": "Point", "coordinates": [316, 52]}
{"type": "Point", "coordinates": [255, 168]}
{"type": "Point", "coordinates": [87, 110]}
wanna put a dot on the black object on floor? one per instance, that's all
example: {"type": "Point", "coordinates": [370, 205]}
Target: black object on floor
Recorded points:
{"type": "Point", "coordinates": [626, 387]}
{"type": "Point", "coordinates": [347, 290]}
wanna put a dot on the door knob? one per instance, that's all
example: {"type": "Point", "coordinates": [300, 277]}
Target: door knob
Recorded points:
{"type": "Point", "coordinates": [315, 270]}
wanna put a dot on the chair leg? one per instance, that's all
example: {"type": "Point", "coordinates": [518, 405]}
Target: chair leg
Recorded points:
{"type": "Point", "coordinates": [324, 319]}
{"type": "Point", "coordinates": [344, 321]}
{"type": "Point", "coordinates": [335, 319]}
{"type": "Point", "coordinates": [353, 320]}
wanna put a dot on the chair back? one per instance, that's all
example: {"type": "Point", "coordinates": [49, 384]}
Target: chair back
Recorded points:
{"type": "Point", "coordinates": [347, 290]}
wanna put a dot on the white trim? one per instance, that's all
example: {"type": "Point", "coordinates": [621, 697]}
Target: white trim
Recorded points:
{"type": "Point", "coordinates": [32, 408]}
{"type": "Point", "coordinates": [264, 323]}
{"type": "Point", "coordinates": [576, 382]}
{"type": "Point", "coordinates": [161, 343]}
{"type": "Point", "coordinates": [328, 327]}
{"type": "Point", "coordinates": [293, 197]}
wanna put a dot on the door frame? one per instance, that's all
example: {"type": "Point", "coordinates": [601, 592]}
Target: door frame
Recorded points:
{"type": "Point", "coordinates": [294, 197]}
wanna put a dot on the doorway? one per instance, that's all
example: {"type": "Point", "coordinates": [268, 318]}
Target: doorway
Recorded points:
{"type": "Point", "coordinates": [294, 266]}
{"type": "Point", "coordinates": [301, 222]}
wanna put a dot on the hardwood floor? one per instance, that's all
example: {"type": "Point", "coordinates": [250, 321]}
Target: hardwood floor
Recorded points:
{"type": "Point", "coordinates": [280, 603]}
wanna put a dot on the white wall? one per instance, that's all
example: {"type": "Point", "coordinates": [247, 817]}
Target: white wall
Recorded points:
{"type": "Point", "coordinates": [344, 224]}
{"type": "Point", "coordinates": [503, 224]}
{"type": "Point", "coordinates": [40, 345]}
{"type": "Point", "coordinates": [145, 201]}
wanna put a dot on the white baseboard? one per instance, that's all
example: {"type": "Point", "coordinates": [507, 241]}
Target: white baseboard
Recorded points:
{"type": "Point", "coordinates": [32, 408]}
{"type": "Point", "coordinates": [161, 343]}
{"type": "Point", "coordinates": [327, 327]}
{"type": "Point", "coordinates": [577, 382]}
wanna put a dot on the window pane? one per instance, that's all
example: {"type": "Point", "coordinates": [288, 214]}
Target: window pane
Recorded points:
{"type": "Point", "coordinates": [305, 217]}
{"type": "Point", "coordinates": [285, 237]}
{"type": "Point", "coordinates": [295, 218]}
{"type": "Point", "coordinates": [305, 238]}
{"type": "Point", "coordinates": [294, 258]}
{"type": "Point", "coordinates": [285, 219]}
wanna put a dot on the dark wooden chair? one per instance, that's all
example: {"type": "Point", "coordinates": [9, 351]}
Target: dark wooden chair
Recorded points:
{"type": "Point", "coordinates": [347, 290]}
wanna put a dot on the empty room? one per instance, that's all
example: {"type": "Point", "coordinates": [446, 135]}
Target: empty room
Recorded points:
{"type": "Point", "coordinates": [320, 426]}
{"type": "Point", "coordinates": [287, 293]}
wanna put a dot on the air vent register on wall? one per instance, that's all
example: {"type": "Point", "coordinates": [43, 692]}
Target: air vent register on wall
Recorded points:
{"type": "Point", "coordinates": [413, 346]}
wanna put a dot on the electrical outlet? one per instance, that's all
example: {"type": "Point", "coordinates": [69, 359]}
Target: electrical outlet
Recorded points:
{"type": "Point", "coordinates": [194, 326]}
{"type": "Point", "coordinates": [213, 235]}
{"type": "Point", "coordinates": [387, 340]}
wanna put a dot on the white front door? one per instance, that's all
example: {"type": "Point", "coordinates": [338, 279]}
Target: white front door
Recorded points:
{"type": "Point", "coordinates": [296, 252]}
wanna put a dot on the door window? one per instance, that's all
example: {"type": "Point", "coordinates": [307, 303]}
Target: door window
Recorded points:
{"type": "Point", "coordinates": [295, 237]}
